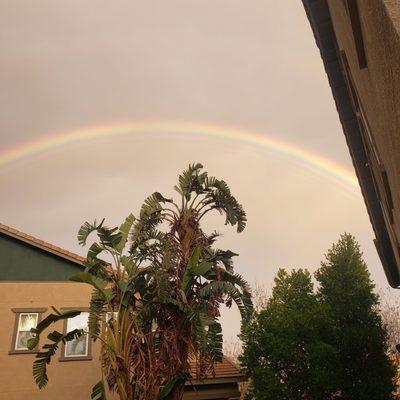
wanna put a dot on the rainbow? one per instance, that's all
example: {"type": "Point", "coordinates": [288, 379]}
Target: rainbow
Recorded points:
{"type": "Point", "coordinates": [47, 143]}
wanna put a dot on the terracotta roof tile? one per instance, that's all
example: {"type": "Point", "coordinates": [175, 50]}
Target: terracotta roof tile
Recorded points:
{"type": "Point", "coordinates": [225, 369]}
{"type": "Point", "coordinates": [41, 244]}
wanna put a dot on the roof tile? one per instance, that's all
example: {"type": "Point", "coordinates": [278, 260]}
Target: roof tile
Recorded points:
{"type": "Point", "coordinates": [225, 369]}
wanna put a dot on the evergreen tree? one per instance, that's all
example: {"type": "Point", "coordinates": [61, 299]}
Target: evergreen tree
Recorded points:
{"type": "Point", "coordinates": [347, 291]}
{"type": "Point", "coordinates": [286, 350]}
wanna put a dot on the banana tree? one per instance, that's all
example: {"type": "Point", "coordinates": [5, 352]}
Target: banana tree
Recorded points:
{"type": "Point", "coordinates": [155, 303]}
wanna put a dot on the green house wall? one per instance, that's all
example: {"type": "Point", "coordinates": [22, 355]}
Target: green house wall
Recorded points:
{"type": "Point", "coordinates": [20, 261]}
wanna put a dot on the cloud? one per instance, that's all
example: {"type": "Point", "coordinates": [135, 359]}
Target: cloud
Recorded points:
{"type": "Point", "coordinates": [251, 65]}
{"type": "Point", "coordinates": [294, 214]}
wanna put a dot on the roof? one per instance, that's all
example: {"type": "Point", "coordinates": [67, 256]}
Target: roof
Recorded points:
{"type": "Point", "coordinates": [226, 370]}
{"type": "Point", "coordinates": [41, 244]}
{"type": "Point", "coordinates": [321, 23]}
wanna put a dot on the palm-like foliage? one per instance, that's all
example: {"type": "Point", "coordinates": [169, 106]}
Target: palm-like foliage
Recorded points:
{"type": "Point", "coordinates": [49, 349]}
{"type": "Point", "coordinates": [159, 301]}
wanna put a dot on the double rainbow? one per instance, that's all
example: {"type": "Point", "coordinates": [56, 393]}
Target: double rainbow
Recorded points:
{"type": "Point", "coordinates": [257, 139]}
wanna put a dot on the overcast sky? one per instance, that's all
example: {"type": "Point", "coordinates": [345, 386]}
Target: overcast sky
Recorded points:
{"type": "Point", "coordinates": [253, 65]}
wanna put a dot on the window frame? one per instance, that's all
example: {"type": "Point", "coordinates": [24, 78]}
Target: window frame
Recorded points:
{"type": "Point", "coordinates": [17, 317]}
{"type": "Point", "coordinates": [88, 356]}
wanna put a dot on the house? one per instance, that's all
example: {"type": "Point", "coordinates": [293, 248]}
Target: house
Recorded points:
{"type": "Point", "coordinates": [359, 42]}
{"type": "Point", "coordinates": [33, 277]}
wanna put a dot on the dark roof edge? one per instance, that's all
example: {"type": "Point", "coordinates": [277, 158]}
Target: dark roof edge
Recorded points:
{"type": "Point", "coordinates": [216, 380]}
{"type": "Point", "coordinates": [321, 23]}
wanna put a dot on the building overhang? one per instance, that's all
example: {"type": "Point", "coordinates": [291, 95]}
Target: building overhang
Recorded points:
{"type": "Point", "coordinates": [321, 23]}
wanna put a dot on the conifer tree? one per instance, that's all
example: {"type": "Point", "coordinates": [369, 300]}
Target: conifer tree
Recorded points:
{"type": "Point", "coordinates": [347, 291]}
{"type": "Point", "coordinates": [286, 350]}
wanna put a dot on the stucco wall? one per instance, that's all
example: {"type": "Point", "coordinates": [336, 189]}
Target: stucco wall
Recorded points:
{"type": "Point", "coordinates": [33, 278]}
{"type": "Point", "coordinates": [377, 85]}
{"type": "Point", "coordinates": [69, 380]}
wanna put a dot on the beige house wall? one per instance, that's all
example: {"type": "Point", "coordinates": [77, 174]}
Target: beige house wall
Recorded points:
{"type": "Point", "coordinates": [68, 380]}
{"type": "Point", "coordinates": [377, 85]}
{"type": "Point", "coordinates": [72, 379]}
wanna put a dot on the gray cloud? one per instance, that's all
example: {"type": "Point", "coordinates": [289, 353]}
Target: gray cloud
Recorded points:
{"type": "Point", "coordinates": [251, 65]}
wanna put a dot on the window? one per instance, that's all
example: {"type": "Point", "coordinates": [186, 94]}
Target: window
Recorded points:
{"type": "Point", "coordinates": [25, 320]}
{"type": "Point", "coordinates": [77, 349]}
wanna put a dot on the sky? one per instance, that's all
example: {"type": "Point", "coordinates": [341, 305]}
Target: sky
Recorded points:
{"type": "Point", "coordinates": [251, 66]}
